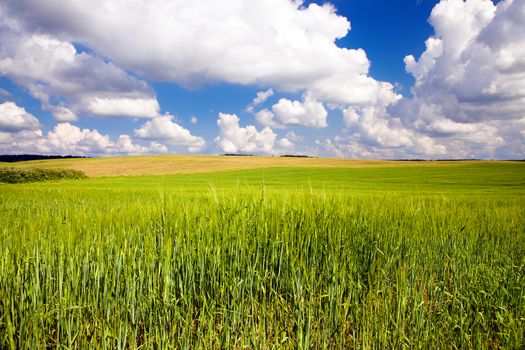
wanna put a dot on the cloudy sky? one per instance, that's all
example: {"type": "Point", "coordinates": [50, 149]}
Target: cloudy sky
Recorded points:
{"type": "Point", "coordinates": [347, 78]}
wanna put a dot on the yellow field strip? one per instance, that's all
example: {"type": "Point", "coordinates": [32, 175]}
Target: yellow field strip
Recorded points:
{"type": "Point", "coordinates": [179, 164]}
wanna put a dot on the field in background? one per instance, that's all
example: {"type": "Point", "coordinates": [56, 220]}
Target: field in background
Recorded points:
{"type": "Point", "coordinates": [181, 164]}
{"type": "Point", "coordinates": [402, 256]}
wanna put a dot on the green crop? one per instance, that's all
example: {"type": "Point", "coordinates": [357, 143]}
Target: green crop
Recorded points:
{"type": "Point", "coordinates": [272, 258]}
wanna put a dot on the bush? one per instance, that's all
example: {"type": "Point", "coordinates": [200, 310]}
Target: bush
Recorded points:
{"type": "Point", "coordinates": [17, 175]}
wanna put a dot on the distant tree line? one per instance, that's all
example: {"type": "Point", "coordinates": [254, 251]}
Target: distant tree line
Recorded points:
{"type": "Point", "coordinates": [237, 155]}
{"type": "Point", "coordinates": [11, 158]}
{"type": "Point", "coordinates": [296, 156]}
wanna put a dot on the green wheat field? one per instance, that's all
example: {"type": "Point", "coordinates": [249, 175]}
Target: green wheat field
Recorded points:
{"type": "Point", "coordinates": [383, 257]}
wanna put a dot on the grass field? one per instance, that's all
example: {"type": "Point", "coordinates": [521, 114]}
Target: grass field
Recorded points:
{"type": "Point", "coordinates": [334, 255]}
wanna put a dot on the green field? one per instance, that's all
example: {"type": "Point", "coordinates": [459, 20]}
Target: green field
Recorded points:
{"type": "Point", "coordinates": [382, 257]}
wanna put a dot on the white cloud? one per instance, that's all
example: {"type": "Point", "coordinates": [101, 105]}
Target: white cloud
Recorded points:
{"type": "Point", "coordinates": [420, 68]}
{"type": "Point", "coordinates": [448, 127]}
{"type": "Point", "coordinates": [125, 145]}
{"type": "Point", "coordinates": [166, 130]}
{"type": "Point", "coordinates": [20, 132]}
{"type": "Point", "coordinates": [68, 82]}
{"type": "Point", "coordinates": [281, 44]}
{"type": "Point", "coordinates": [374, 127]}
{"type": "Point", "coordinates": [285, 145]}
{"type": "Point", "coordinates": [194, 119]}
{"type": "Point", "coordinates": [350, 116]}
{"type": "Point", "coordinates": [20, 141]}
{"type": "Point", "coordinates": [350, 147]}
{"type": "Point", "coordinates": [285, 113]}
{"type": "Point", "coordinates": [123, 106]}
{"type": "Point", "coordinates": [265, 118]}
{"type": "Point", "coordinates": [66, 138]}
{"type": "Point", "coordinates": [473, 68]}
{"type": "Point", "coordinates": [309, 113]}
{"type": "Point", "coordinates": [261, 97]}
{"type": "Point", "coordinates": [63, 114]}
{"type": "Point", "coordinates": [14, 118]}
{"type": "Point", "coordinates": [328, 147]}
{"type": "Point", "coordinates": [234, 139]}
{"type": "Point", "coordinates": [156, 147]}
{"type": "Point", "coordinates": [374, 133]}
{"type": "Point", "coordinates": [470, 81]}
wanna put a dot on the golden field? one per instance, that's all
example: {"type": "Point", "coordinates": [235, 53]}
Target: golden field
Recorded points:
{"type": "Point", "coordinates": [185, 164]}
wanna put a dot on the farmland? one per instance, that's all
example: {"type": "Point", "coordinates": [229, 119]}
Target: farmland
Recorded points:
{"type": "Point", "coordinates": [249, 252]}
{"type": "Point", "coordinates": [184, 164]}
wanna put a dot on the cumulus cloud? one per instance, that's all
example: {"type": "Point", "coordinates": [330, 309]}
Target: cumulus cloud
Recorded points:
{"type": "Point", "coordinates": [285, 113]}
{"type": "Point", "coordinates": [21, 141]}
{"type": "Point", "coordinates": [166, 130]}
{"type": "Point", "coordinates": [234, 138]}
{"type": "Point", "coordinates": [310, 112]}
{"type": "Point", "coordinates": [285, 145]}
{"type": "Point", "coordinates": [66, 138]}
{"type": "Point", "coordinates": [376, 128]}
{"type": "Point", "coordinates": [62, 113]}
{"type": "Point", "coordinates": [14, 118]}
{"type": "Point", "coordinates": [156, 147]}
{"type": "Point", "coordinates": [68, 82]}
{"type": "Point", "coordinates": [470, 81]}
{"type": "Point", "coordinates": [419, 69]}
{"type": "Point", "coordinates": [384, 135]}
{"type": "Point", "coordinates": [265, 118]}
{"type": "Point", "coordinates": [468, 97]}
{"type": "Point", "coordinates": [375, 133]}
{"type": "Point", "coordinates": [478, 60]}
{"type": "Point", "coordinates": [124, 144]}
{"type": "Point", "coordinates": [122, 106]}
{"type": "Point", "coordinates": [351, 147]}
{"type": "Point", "coordinates": [282, 44]}
{"type": "Point", "coordinates": [21, 132]}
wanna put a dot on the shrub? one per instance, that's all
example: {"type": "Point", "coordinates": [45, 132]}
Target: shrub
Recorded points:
{"type": "Point", "coordinates": [18, 175]}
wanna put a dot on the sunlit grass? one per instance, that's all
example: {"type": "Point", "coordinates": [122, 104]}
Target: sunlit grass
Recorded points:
{"type": "Point", "coordinates": [275, 258]}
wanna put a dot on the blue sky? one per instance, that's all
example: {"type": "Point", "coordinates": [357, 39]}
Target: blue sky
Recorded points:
{"type": "Point", "coordinates": [358, 79]}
